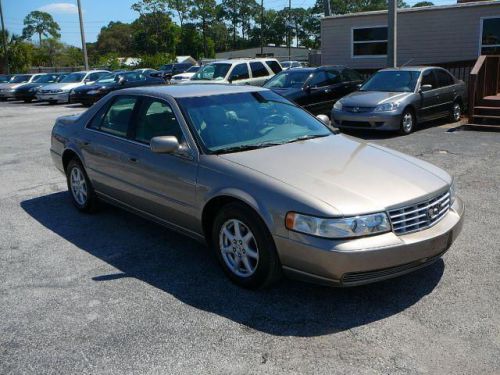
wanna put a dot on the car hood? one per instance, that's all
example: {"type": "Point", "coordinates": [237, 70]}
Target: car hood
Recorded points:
{"type": "Point", "coordinates": [183, 75]}
{"type": "Point", "coordinates": [63, 86]}
{"type": "Point", "coordinates": [28, 86]}
{"type": "Point", "coordinates": [372, 98]}
{"type": "Point", "coordinates": [87, 88]}
{"type": "Point", "coordinates": [7, 86]}
{"type": "Point", "coordinates": [351, 176]}
{"type": "Point", "coordinates": [289, 92]}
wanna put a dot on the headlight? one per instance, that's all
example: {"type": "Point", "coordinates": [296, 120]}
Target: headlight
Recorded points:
{"type": "Point", "coordinates": [452, 192]}
{"type": "Point", "coordinates": [338, 105]}
{"type": "Point", "coordinates": [338, 228]}
{"type": "Point", "coordinates": [386, 107]}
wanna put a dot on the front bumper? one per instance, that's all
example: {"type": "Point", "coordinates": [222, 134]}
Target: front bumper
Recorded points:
{"type": "Point", "coordinates": [7, 94]}
{"type": "Point", "coordinates": [369, 259]}
{"type": "Point", "coordinates": [53, 97]}
{"type": "Point", "coordinates": [25, 95]}
{"type": "Point", "coordinates": [366, 120]}
{"type": "Point", "coordinates": [85, 98]}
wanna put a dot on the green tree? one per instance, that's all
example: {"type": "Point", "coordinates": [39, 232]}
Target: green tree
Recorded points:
{"type": "Point", "coordinates": [203, 12]}
{"type": "Point", "coordinates": [147, 39]}
{"type": "Point", "coordinates": [20, 54]}
{"type": "Point", "coordinates": [42, 24]}
{"type": "Point", "coordinates": [182, 9]}
{"type": "Point", "coordinates": [153, 14]}
{"type": "Point", "coordinates": [116, 37]}
{"type": "Point", "coordinates": [231, 12]}
{"type": "Point", "coordinates": [423, 4]}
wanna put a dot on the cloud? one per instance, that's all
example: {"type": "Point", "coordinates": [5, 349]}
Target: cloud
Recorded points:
{"type": "Point", "coordinates": [60, 8]}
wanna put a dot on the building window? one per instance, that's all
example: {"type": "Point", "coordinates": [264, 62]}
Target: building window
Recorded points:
{"type": "Point", "coordinates": [369, 41]}
{"type": "Point", "coordinates": [490, 36]}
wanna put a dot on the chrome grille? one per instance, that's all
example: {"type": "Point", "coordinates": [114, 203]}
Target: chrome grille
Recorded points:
{"type": "Point", "coordinates": [421, 215]}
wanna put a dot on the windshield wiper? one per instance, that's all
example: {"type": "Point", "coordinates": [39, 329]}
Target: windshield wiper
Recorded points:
{"type": "Point", "coordinates": [246, 147]}
{"type": "Point", "coordinates": [306, 137]}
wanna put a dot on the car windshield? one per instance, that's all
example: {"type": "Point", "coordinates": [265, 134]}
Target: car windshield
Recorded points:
{"type": "Point", "coordinates": [193, 69]}
{"type": "Point", "coordinates": [20, 78]}
{"type": "Point", "coordinates": [392, 81]}
{"type": "Point", "coordinates": [166, 67]}
{"type": "Point", "coordinates": [288, 79]}
{"type": "Point", "coordinates": [108, 78]}
{"type": "Point", "coordinates": [243, 121]}
{"type": "Point", "coordinates": [212, 72]}
{"type": "Point", "coordinates": [73, 78]}
{"type": "Point", "coordinates": [47, 78]}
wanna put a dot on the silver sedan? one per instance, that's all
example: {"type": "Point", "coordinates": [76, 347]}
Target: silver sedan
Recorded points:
{"type": "Point", "coordinates": [399, 99]}
{"type": "Point", "coordinates": [269, 187]}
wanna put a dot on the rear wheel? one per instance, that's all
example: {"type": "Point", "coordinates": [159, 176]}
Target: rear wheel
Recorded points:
{"type": "Point", "coordinates": [79, 186]}
{"type": "Point", "coordinates": [244, 247]}
{"type": "Point", "coordinates": [407, 122]}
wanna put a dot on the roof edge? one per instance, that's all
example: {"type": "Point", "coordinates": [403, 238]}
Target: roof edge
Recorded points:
{"type": "Point", "coordinates": [419, 9]}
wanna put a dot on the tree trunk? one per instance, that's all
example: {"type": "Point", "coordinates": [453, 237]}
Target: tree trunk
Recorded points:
{"type": "Point", "coordinates": [40, 39]}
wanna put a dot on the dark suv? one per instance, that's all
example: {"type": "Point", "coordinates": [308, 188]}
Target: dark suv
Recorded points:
{"type": "Point", "coordinates": [168, 70]}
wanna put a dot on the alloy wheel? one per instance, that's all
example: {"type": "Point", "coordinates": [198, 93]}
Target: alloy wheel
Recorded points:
{"type": "Point", "coordinates": [457, 112]}
{"type": "Point", "coordinates": [78, 186]}
{"type": "Point", "coordinates": [238, 248]}
{"type": "Point", "coordinates": [407, 122]}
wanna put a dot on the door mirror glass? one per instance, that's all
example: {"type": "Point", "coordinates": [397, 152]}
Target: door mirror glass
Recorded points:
{"type": "Point", "coordinates": [122, 80]}
{"type": "Point", "coordinates": [164, 144]}
{"type": "Point", "coordinates": [358, 86]}
{"type": "Point", "coordinates": [324, 119]}
{"type": "Point", "coordinates": [424, 88]}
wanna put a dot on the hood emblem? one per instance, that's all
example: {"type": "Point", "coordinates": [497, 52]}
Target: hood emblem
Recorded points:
{"type": "Point", "coordinates": [355, 109]}
{"type": "Point", "coordinates": [433, 212]}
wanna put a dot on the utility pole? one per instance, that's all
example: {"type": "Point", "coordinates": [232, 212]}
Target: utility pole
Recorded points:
{"type": "Point", "coordinates": [261, 28]}
{"type": "Point", "coordinates": [392, 34]}
{"type": "Point", "coordinates": [84, 45]}
{"type": "Point", "coordinates": [4, 39]}
{"type": "Point", "coordinates": [326, 6]}
{"type": "Point", "coordinates": [289, 30]}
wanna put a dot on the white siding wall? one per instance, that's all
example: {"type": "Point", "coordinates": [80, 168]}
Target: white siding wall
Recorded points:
{"type": "Point", "coordinates": [428, 36]}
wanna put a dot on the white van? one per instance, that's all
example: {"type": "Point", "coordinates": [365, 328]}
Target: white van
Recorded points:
{"type": "Point", "coordinates": [253, 72]}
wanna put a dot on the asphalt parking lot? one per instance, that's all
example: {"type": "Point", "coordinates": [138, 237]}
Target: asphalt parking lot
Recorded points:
{"type": "Point", "coordinates": [112, 293]}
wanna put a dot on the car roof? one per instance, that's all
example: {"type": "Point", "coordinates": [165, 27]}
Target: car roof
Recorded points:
{"type": "Point", "coordinates": [412, 68]}
{"type": "Point", "coordinates": [191, 90]}
{"type": "Point", "coordinates": [240, 60]}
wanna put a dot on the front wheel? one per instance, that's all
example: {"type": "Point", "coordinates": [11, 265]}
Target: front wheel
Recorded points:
{"type": "Point", "coordinates": [244, 247]}
{"type": "Point", "coordinates": [80, 187]}
{"type": "Point", "coordinates": [407, 122]}
{"type": "Point", "coordinates": [456, 112]}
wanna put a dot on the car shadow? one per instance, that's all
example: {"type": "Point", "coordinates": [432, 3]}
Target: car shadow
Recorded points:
{"type": "Point", "coordinates": [187, 270]}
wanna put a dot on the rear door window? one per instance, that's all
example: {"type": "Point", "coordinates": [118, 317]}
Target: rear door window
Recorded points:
{"type": "Point", "coordinates": [319, 79]}
{"type": "Point", "coordinates": [117, 118]}
{"type": "Point", "coordinates": [443, 78]}
{"type": "Point", "coordinates": [351, 75]}
{"type": "Point", "coordinates": [274, 65]}
{"type": "Point", "coordinates": [240, 71]}
{"type": "Point", "coordinates": [333, 76]}
{"type": "Point", "coordinates": [258, 69]}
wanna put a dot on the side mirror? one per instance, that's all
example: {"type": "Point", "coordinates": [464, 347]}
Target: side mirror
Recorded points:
{"type": "Point", "coordinates": [324, 119]}
{"type": "Point", "coordinates": [425, 88]}
{"type": "Point", "coordinates": [230, 79]}
{"type": "Point", "coordinates": [122, 80]}
{"type": "Point", "coordinates": [164, 144]}
{"type": "Point", "coordinates": [85, 81]}
{"type": "Point", "coordinates": [358, 86]}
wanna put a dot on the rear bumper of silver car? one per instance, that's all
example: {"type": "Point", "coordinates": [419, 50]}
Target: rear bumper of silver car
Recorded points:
{"type": "Point", "coordinates": [369, 259]}
{"type": "Point", "coordinates": [367, 120]}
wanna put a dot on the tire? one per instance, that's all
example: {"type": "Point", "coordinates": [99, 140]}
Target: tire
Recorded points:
{"type": "Point", "coordinates": [79, 187]}
{"type": "Point", "coordinates": [28, 100]}
{"type": "Point", "coordinates": [52, 102]}
{"type": "Point", "coordinates": [408, 122]}
{"type": "Point", "coordinates": [455, 112]}
{"type": "Point", "coordinates": [3, 99]}
{"type": "Point", "coordinates": [259, 270]}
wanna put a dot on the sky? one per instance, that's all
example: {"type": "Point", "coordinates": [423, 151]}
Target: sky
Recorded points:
{"type": "Point", "coordinates": [98, 13]}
